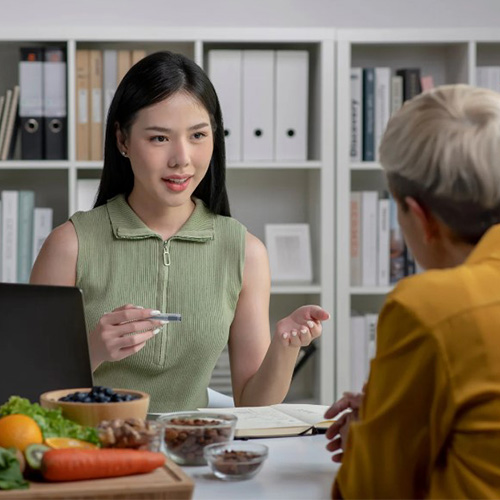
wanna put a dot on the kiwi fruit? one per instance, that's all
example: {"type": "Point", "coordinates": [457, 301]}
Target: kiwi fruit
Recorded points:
{"type": "Point", "coordinates": [33, 454]}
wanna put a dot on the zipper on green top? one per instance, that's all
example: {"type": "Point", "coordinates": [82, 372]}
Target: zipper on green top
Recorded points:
{"type": "Point", "coordinates": [161, 340]}
{"type": "Point", "coordinates": [166, 252]}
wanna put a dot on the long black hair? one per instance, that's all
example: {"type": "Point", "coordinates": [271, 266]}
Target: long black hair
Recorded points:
{"type": "Point", "coordinates": [151, 80]}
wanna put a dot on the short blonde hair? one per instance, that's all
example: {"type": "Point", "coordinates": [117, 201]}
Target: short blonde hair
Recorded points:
{"type": "Point", "coordinates": [443, 149]}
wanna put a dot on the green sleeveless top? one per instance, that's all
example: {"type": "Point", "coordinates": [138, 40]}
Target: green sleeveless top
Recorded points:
{"type": "Point", "coordinates": [197, 272]}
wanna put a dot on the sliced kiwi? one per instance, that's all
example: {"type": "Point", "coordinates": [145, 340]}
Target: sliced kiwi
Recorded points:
{"type": "Point", "coordinates": [34, 454]}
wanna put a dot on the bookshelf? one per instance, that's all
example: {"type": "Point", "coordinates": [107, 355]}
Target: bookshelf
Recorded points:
{"type": "Point", "coordinates": [450, 56]}
{"type": "Point", "coordinates": [259, 192]}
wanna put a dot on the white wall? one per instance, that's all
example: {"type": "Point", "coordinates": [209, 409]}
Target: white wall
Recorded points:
{"type": "Point", "coordinates": [253, 13]}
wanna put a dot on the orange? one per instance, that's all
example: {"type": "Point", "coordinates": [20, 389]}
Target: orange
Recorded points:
{"type": "Point", "coordinates": [62, 442]}
{"type": "Point", "coordinates": [19, 431]}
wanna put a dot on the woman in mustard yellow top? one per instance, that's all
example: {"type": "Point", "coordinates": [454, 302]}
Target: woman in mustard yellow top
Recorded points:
{"type": "Point", "coordinates": [429, 419]}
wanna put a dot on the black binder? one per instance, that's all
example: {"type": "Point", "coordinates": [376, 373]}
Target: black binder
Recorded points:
{"type": "Point", "coordinates": [31, 103]}
{"type": "Point", "coordinates": [54, 104]}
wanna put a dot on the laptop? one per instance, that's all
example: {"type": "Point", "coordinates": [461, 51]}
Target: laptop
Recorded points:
{"type": "Point", "coordinates": [43, 344]}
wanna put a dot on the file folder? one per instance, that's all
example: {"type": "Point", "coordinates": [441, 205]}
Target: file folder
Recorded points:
{"type": "Point", "coordinates": [82, 105]}
{"type": "Point", "coordinates": [225, 72]}
{"type": "Point", "coordinates": [86, 194]}
{"type": "Point", "coordinates": [137, 55]}
{"type": "Point", "coordinates": [109, 81]}
{"type": "Point", "coordinates": [42, 226]}
{"type": "Point", "coordinates": [31, 103]}
{"type": "Point", "coordinates": [292, 91]}
{"type": "Point", "coordinates": [7, 146]}
{"type": "Point", "coordinates": [54, 101]}
{"type": "Point", "coordinates": [258, 105]}
{"type": "Point", "coordinates": [4, 117]}
{"type": "Point", "coordinates": [96, 136]}
{"type": "Point", "coordinates": [26, 207]}
{"type": "Point", "coordinates": [8, 240]}
{"type": "Point", "coordinates": [124, 63]}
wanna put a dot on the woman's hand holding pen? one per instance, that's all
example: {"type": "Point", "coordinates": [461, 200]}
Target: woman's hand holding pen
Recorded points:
{"type": "Point", "coordinates": [302, 326]}
{"type": "Point", "coordinates": [111, 339]}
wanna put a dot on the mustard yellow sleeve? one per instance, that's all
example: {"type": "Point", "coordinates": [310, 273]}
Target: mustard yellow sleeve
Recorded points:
{"type": "Point", "coordinates": [391, 450]}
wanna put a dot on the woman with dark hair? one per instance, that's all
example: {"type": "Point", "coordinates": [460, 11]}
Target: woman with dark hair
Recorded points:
{"type": "Point", "coordinates": [160, 236]}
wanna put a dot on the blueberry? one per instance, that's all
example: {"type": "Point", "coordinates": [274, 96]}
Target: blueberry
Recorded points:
{"type": "Point", "coordinates": [87, 399]}
{"type": "Point", "coordinates": [128, 397]}
{"type": "Point", "coordinates": [108, 391]}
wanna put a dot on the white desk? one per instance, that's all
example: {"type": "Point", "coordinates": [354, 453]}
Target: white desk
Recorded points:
{"type": "Point", "coordinates": [297, 468]}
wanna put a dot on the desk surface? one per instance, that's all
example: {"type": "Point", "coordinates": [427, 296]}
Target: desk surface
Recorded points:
{"type": "Point", "coordinates": [297, 468]}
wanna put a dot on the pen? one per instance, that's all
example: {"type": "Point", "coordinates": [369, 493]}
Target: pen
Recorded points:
{"type": "Point", "coordinates": [167, 317]}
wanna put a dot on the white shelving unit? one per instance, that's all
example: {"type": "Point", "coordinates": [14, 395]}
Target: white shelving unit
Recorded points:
{"type": "Point", "coordinates": [259, 192]}
{"type": "Point", "coordinates": [450, 56]}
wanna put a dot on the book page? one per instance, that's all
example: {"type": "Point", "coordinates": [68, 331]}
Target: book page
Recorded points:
{"type": "Point", "coordinates": [260, 417]}
{"type": "Point", "coordinates": [310, 414]}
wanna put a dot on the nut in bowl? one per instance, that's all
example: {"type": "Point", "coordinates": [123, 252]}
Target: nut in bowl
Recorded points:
{"type": "Point", "coordinates": [188, 433]}
{"type": "Point", "coordinates": [87, 410]}
{"type": "Point", "coordinates": [235, 461]}
{"type": "Point", "coordinates": [134, 433]}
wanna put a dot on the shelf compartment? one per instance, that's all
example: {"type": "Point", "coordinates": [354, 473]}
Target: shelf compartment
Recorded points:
{"type": "Point", "coordinates": [50, 187]}
{"type": "Point", "coordinates": [315, 109]}
{"type": "Point", "coordinates": [446, 62]}
{"type": "Point", "coordinates": [286, 196]}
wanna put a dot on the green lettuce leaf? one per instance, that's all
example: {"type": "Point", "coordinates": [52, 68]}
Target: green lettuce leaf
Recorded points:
{"type": "Point", "coordinates": [10, 472]}
{"type": "Point", "coordinates": [51, 422]}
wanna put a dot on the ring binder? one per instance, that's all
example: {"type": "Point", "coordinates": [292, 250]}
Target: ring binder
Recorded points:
{"type": "Point", "coordinates": [31, 103]}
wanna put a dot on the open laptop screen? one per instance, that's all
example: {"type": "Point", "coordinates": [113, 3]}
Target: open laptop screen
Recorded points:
{"type": "Point", "coordinates": [43, 340]}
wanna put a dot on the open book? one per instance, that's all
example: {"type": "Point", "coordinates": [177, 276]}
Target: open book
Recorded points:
{"type": "Point", "coordinates": [276, 420]}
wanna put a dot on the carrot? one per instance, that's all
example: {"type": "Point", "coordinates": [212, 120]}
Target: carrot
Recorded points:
{"type": "Point", "coordinates": [71, 464]}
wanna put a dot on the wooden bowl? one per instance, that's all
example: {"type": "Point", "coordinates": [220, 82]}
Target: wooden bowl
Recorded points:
{"type": "Point", "coordinates": [92, 414]}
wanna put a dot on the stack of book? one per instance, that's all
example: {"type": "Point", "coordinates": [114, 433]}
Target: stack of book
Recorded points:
{"type": "Point", "coordinates": [488, 77]}
{"type": "Point", "coordinates": [375, 95]}
{"type": "Point", "coordinates": [23, 229]}
{"type": "Point", "coordinates": [378, 253]}
{"type": "Point", "coordinates": [363, 345]}
{"type": "Point", "coordinates": [98, 74]}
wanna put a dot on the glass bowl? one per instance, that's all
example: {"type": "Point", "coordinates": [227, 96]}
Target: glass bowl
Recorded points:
{"type": "Point", "coordinates": [186, 434]}
{"type": "Point", "coordinates": [134, 433]}
{"type": "Point", "coordinates": [237, 460]}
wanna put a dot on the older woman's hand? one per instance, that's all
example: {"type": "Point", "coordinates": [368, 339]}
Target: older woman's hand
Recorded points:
{"type": "Point", "coordinates": [338, 431]}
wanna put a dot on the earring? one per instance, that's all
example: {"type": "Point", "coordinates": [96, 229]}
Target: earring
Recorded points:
{"type": "Point", "coordinates": [124, 154]}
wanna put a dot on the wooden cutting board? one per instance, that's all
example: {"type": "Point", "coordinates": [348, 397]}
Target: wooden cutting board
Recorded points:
{"type": "Point", "coordinates": [166, 483]}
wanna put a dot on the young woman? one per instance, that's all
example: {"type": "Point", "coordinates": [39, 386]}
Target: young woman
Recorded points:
{"type": "Point", "coordinates": [161, 237]}
{"type": "Point", "coordinates": [429, 420]}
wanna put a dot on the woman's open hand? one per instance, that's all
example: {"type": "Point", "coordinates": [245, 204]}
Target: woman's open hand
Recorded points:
{"type": "Point", "coordinates": [302, 326]}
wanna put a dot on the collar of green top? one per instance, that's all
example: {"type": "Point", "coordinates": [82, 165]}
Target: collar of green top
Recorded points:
{"type": "Point", "coordinates": [127, 225]}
